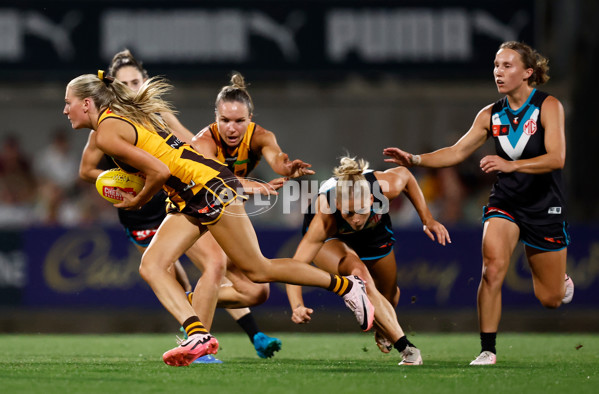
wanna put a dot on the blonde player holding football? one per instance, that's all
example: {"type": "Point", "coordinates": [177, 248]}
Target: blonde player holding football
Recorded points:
{"type": "Point", "coordinates": [237, 291]}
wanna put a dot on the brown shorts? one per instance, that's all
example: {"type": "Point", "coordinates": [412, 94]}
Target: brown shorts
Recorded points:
{"type": "Point", "coordinates": [209, 203]}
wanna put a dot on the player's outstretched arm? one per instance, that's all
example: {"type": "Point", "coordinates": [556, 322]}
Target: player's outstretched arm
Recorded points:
{"type": "Point", "coordinates": [451, 155]}
{"type": "Point", "coordinates": [279, 161]}
{"type": "Point", "coordinates": [399, 179]}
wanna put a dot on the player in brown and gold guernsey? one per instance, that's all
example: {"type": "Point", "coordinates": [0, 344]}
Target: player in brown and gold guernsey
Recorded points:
{"type": "Point", "coordinates": [141, 226]}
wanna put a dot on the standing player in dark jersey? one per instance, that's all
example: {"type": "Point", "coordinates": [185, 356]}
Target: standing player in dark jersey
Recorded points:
{"type": "Point", "coordinates": [141, 225]}
{"type": "Point", "coordinates": [349, 232]}
{"type": "Point", "coordinates": [527, 201]}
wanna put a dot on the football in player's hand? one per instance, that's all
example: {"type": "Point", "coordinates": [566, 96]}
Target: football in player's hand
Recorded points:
{"type": "Point", "coordinates": [111, 182]}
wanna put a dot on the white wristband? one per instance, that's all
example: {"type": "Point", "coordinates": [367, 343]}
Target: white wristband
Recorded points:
{"type": "Point", "coordinates": [415, 160]}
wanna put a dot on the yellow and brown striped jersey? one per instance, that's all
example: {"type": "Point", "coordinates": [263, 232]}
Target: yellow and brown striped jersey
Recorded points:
{"type": "Point", "coordinates": [190, 171]}
{"type": "Point", "coordinates": [242, 161]}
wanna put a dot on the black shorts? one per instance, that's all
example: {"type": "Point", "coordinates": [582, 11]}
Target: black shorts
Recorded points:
{"type": "Point", "coordinates": [368, 250]}
{"type": "Point", "coordinates": [550, 237]}
{"type": "Point", "coordinates": [209, 203]}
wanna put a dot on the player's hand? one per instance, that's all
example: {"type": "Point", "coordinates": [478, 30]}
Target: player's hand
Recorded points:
{"type": "Point", "coordinates": [301, 315]}
{"type": "Point", "coordinates": [493, 163]}
{"type": "Point", "coordinates": [398, 157]}
{"type": "Point", "coordinates": [130, 203]}
{"type": "Point", "coordinates": [265, 189]}
{"type": "Point", "coordinates": [433, 229]}
{"type": "Point", "coordinates": [276, 184]}
{"type": "Point", "coordinates": [296, 168]}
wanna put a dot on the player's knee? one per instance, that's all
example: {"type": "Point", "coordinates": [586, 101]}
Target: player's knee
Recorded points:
{"type": "Point", "coordinates": [550, 301]}
{"type": "Point", "coordinates": [216, 271]}
{"type": "Point", "coordinates": [259, 294]}
{"type": "Point", "coordinates": [146, 268]}
{"type": "Point", "coordinates": [493, 271]}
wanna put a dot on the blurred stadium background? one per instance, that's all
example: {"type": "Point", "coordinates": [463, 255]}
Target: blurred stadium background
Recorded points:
{"type": "Point", "coordinates": [329, 78]}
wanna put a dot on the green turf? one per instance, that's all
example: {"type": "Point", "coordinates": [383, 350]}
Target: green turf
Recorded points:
{"type": "Point", "coordinates": [307, 364]}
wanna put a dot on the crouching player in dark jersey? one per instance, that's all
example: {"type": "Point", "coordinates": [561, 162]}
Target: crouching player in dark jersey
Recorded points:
{"type": "Point", "coordinates": [527, 201]}
{"type": "Point", "coordinates": [349, 233]}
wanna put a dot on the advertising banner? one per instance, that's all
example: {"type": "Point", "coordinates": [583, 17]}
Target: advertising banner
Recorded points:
{"type": "Point", "coordinates": [99, 267]}
{"type": "Point", "coordinates": [274, 39]}
{"type": "Point", "coordinates": [13, 275]}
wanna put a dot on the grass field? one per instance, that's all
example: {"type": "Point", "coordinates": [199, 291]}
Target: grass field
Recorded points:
{"type": "Point", "coordinates": [307, 363]}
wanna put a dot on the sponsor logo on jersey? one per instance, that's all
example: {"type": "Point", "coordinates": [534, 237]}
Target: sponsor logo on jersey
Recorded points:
{"type": "Point", "coordinates": [516, 119]}
{"type": "Point", "coordinates": [500, 129]}
{"type": "Point", "coordinates": [530, 127]}
{"type": "Point", "coordinates": [555, 210]}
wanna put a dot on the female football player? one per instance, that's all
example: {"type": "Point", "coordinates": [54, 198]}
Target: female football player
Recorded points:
{"type": "Point", "coordinates": [527, 202]}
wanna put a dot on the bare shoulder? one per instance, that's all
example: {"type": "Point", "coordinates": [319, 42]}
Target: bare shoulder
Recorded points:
{"type": "Point", "coordinates": [262, 138]}
{"type": "Point", "coordinates": [261, 133]}
{"type": "Point", "coordinates": [205, 133]}
{"type": "Point", "coordinates": [552, 103]}
{"type": "Point", "coordinates": [392, 173]}
{"type": "Point", "coordinates": [485, 113]}
{"type": "Point", "coordinates": [204, 143]}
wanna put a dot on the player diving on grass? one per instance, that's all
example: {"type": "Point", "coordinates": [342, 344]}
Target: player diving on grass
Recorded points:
{"type": "Point", "coordinates": [349, 233]}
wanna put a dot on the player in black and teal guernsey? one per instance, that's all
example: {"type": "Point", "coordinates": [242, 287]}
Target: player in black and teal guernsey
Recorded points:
{"type": "Point", "coordinates": [349, 232]}
{"type": "Point", "coordinates": [527, 201]}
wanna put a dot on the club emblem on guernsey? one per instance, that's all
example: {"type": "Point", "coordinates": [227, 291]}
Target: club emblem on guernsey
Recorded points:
{"type": "Point", "coordinates": [530, 127]}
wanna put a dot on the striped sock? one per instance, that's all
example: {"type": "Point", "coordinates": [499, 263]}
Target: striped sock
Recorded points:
{"type": "Point", "coordinates": [189, 295]}
{"type": "Point", "coordinates": [193, 325]}
{"type": "Point", "coordinates": [340, 285]}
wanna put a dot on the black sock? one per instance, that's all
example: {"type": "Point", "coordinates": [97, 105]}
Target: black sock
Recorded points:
{"type": "Point", "coordinates": [487, 342]}
{"type": "Point", "coordinates": [248, 324]}
{"type": "Point", "coordinates": [193, 325]}
{"type": "Point", "coordinates": [402, 343]}
{"type": "Point", "coordinates": [340, 285]}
